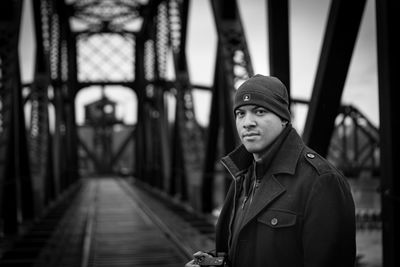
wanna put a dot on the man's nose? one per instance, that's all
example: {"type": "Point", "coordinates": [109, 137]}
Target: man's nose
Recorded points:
{"type": "Point", "coordinates": [248, 121]}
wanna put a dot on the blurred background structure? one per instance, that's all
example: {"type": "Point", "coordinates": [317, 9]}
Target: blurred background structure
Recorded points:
{"type": "Point", "coordinates": [142, 89]}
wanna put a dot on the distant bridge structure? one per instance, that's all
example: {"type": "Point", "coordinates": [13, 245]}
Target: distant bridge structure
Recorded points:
{"type": "Point", "coordinates": [354, 146]}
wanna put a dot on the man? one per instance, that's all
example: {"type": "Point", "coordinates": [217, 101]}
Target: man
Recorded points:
{"type": "Point", "coordinates": [287, 206]}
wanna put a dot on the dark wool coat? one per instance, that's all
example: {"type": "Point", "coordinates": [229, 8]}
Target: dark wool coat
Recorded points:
{"type": "Point", "coordinates": [302, 214]}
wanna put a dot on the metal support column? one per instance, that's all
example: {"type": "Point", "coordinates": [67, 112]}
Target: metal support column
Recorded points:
{"type": "Point", "coordinates": [278, 29]}
{"type": "Point", "coordinates": [387, 14]}
{"type": "Point", "coordinates": [141, 152]}
{"type": "Point", "coordinates": [340, 37]}
{"type": "Point", "coordinates": [188, 142]}
{"type": "Point", "coordinates": [39, 127]}
{"type": "Point", "coordinates": [16, 200]}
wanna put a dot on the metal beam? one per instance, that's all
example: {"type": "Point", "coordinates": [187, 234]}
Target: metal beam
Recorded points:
{"type": "Point", "coordinates": [278, 32]}
{"type": "Point", "coordinates": [387, 14]}
{"type": "Point", "coordinates": [340, 37]}
{"type": "Point", "coordinates": [16, 194]}
{"type": "Point", "coordinates": [141, 152]}
{"type": "Point", "coordinates": [39, 122]}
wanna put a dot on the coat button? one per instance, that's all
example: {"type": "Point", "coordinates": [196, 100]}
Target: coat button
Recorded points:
{"type": "Point", "coordinates": [274, 221]}
{"type": "Point", "coordinates": [310, 155]}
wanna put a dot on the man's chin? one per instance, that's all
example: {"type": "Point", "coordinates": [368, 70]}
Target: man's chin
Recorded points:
{"type": "Point", "coordinates": [251, 148]}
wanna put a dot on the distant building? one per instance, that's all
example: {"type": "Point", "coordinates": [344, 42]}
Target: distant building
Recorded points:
{"type": "Point", "coordinates": [106, 143]}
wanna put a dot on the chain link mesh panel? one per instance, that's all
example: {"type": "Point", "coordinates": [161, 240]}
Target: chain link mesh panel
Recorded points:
{"type": "Point", "coordinates": [105, 57]}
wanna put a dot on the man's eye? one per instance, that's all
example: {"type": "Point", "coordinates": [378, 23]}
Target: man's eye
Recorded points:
{"type": "Point", "coordinates": [239, 114]}
{"type": "Point", "coordinates": [260, 111]}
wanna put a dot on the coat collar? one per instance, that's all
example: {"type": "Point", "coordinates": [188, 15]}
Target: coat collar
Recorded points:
{"type": "Point", "coordinates": [238, 161]}
{"type": "Point", "coordinates": [285, 161]}
{"type": "Point", "coordinates": [288, 155]}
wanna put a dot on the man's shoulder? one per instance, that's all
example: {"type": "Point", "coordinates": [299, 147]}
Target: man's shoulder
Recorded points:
{"type": "Point", "coordinates": [320, 164]}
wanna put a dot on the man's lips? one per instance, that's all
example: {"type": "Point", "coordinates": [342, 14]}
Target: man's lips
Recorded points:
{"type": "Point", "coordinates": [249, 135]}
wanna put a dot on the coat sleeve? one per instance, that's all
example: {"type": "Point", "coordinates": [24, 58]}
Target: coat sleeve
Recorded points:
{"type": "Point", "coordinates": [329, 223]}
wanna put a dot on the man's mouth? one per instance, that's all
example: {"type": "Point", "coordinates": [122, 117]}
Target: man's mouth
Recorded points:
{"type": "Point", "coordinates": [250, 135]}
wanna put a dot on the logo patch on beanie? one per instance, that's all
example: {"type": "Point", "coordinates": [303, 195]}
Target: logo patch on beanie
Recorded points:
{"type": "Point", "coordinates": [246, 97]}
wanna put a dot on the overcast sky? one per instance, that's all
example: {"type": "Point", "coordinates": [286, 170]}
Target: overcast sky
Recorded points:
{"type": "Point", "coordinates": [307, 25]}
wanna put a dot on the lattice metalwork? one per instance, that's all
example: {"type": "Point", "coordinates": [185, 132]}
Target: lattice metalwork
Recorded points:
{"type": "Point", "coordinates": [230, 34]}
{"type": "Point", "coordinates": [55, 46]}
{"type": "Point", "coordinates": [105, 40]}
{"type": "Point", "coordinates": [162, 37]}
{"type": "Point", "coordinates": [105, 57]}
{"type": "Point", "coordinates": [234, 46]}
{"type": "Point", "coordinates": [237, 50]}
{"type": "Point", "coordinates": [107, 15]}
{"type": "Point", "coordinates": [175, 24]}
{"type": "Point", "coordinates": [149, 60]}
{"type": "Point", "coordinates": [45, 12]}
{"type": "Point", "coordinates": [233, 52]}
{"type": "Point", "coordinates": [63, 61]}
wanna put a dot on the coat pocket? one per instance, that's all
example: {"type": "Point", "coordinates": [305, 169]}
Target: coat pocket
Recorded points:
{"type": "Point", "coordinates": [278, 218]}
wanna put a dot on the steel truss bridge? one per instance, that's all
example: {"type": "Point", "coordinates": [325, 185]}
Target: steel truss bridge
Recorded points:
{"type": "Point", "coordinates": [83, 43]}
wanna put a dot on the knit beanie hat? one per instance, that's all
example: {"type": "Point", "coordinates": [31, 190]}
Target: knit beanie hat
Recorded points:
{"type": "Point", "coordinates": [265, 91]}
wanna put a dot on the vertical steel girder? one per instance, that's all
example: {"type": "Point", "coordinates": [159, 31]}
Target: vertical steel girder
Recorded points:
{"type": "Point", "coordinates": [55, 67]}
{"type": "Point", "coordinates": [15, 181]}
{"type": "Point", "coordinates": [339, 41]}
{"type": "Point", "coordinates": [150, 150]}
{"type": "Point", "coordinates": [152, 113]}
{"type": "Point", "coordinates": [69, 89]}
{"type": "Point", "coordinates": [387, 14]}
{"type": "Point", "coordinates": [231, 43]}
{"type": "Point", "coordinates": [141, 152]}
{"type": "Point", "coordinates": [164, 31]}
{"type": "Point", "coordinates": [40, 150]}
{"type": "Point", "coordinates": [188, 142]}
{"type": "Point", "coordinates": [278, 32]}
{"type": "Point", "coordinates": [157, 120]}
{"type": "Point", "coordinates": [59, 142]}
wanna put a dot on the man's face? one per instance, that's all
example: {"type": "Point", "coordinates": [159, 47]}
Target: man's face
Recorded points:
{"type": "Point", "coordinates": [257, 128]}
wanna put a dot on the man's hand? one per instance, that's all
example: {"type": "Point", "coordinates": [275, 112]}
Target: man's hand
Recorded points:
{"type": "Point", "coordinates": [197, 256]}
